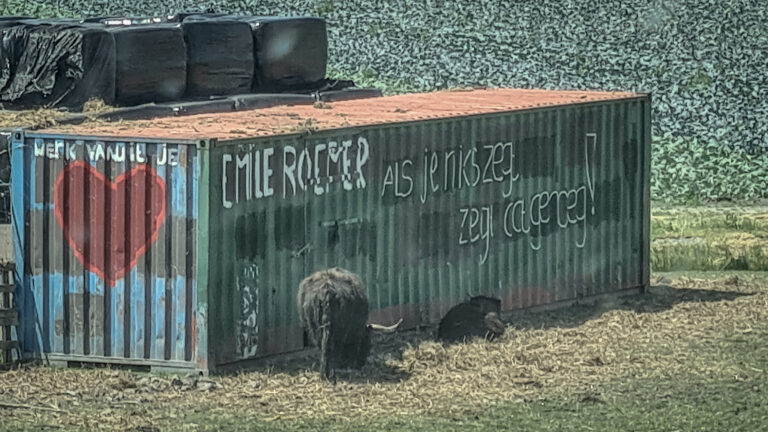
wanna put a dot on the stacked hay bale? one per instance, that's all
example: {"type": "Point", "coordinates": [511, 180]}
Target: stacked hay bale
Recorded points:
{"type": "Point", "coordinates": [128, 61]}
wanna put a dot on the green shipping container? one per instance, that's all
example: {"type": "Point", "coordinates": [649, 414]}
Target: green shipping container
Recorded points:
{"type": "Point", "coordinates": [536, 197]}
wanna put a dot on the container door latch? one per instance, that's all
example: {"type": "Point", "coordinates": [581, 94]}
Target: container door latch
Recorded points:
{"type": "Point", "coordinates": [301, 252]}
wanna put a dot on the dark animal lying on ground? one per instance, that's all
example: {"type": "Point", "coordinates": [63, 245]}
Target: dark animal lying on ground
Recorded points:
{"type": "Point", "coordinates": [479, 317]}
{"type": "Point", "coordinates": [333, 308]}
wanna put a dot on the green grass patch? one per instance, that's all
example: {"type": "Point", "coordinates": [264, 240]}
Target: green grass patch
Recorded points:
{"type": "Point", "coordinates": [707, 254]}
{"type": "Point", "coordinates": [730, 238]}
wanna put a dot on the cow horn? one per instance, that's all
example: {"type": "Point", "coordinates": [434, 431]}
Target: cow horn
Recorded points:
{"type": "Point", "coordinates": [386, 329]}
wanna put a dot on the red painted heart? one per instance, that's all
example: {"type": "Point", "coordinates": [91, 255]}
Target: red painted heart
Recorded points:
{"type": "Point", "coordinates": [109, 225]}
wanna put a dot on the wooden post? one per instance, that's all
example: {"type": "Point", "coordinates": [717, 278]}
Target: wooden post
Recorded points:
{"type": "Point", "coordinates": [9, 316]}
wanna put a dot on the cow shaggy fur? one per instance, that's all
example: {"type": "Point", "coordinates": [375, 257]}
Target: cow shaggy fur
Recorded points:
{"type": "Point", "coordinates": [333, 307]}
{"type": "Point", "coordinates": [479, 317]}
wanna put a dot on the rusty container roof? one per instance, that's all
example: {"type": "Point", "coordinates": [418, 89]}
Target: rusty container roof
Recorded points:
{"type": "Point", "coordinates": [290, 119]}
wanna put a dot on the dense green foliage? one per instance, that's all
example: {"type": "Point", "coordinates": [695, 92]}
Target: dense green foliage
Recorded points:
{"type": "Point", "coordinates": [692, 171]}
{"type": "Point", "coordinates": [31, 8]}
{"type": "Point", "coordinates": [702, 60]}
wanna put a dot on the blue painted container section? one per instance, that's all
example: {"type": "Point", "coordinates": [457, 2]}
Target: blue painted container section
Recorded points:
{"type": "Point", "coordinates": [105, 233]}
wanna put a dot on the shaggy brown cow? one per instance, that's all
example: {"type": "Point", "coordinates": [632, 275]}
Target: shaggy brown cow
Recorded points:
{"type": "Point", "coordinates": [333, 308]}
{"type": "Point", "coordinates": [479, 317]}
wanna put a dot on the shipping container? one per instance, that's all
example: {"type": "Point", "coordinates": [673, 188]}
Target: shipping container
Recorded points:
{"type": "Point", "coordinates": [180, 242]}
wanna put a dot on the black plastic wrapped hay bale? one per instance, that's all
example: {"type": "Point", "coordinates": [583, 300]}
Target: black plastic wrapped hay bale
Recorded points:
{"type": "Point", "coordinates": [267, 100]}
{"type": "Point", "coordinates": [123, 21]}
{"type": "Point", "coordinates": [10, 22]}
{"type": "Point", "coordinates": [14, 18]}
{"type": "Point", "coordinates": [291, 52]}
{"type": "Point", "coordinates": [181, 16]}
{"type": "Point", "coordinates": [346, 94]}
{"type": "Point", "coordinates": [96, 19]}
{"type": "Point", "coordinates": [55, 64]}
{"type": "Point", "coordinates": [151, 63]}
{"type": "Point", "coordinates": [219, 56]}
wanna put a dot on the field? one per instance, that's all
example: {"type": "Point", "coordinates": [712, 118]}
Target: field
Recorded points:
{"type": "Point", "coordinates": [689, 354]}
{"type": "Point", "coordinates": [709, 238]}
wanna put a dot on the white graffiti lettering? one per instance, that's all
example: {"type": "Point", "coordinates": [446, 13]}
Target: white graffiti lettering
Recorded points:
{"type": "Point", "coordinates": [96, 151]}
{"type": "Point", "coordinates": [528, 216]}
{"type": "Point", "coordinates": [313, 169]}
{"type": "Point", "coordinates": [225, 159]}
{"type": "Point", "coordinates": [397, 176]}
{"type": "Point", "coordinates": [476, 226]}
{"type": "Point", "coordinates": [247, 326]}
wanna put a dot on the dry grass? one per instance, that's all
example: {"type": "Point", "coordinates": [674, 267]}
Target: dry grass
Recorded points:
{"type": "Point", "coordinates": [671, 331]}
{"type": "Point", "coordinates": [95, 107]}
{"type": "Point", "coordinates": [698, 221]}
{"type": "Point", "coordinates": [30, 119]}
{"type": "Point", "coordinates": [728, 238]}
{"type": "Point", "coordinates": [307, 126]}
{"type": "Point", "coordinates": [738, 251]}
{"type": "Point", "coordinates": [322, 105]}
{"type": "Point", "coordinates": [48, 117]}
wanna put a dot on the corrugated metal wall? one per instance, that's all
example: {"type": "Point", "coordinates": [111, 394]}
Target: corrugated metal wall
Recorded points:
{"type": "Point", "coordinates": [257, 249]}
{"type": "Point", "coordinates": [106, 247]}
{"type": "Point", "coordinates": [532, 206]}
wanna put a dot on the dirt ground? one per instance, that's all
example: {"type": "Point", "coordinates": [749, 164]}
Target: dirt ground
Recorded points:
{"type": "Point", "coordinates": [680, 329]}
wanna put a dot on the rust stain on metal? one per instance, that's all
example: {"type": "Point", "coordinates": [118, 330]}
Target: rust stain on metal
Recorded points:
{"type": "Point", "coordinates": [193, 336]}
{"type": "Point", "coordinates": [77, 317]}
